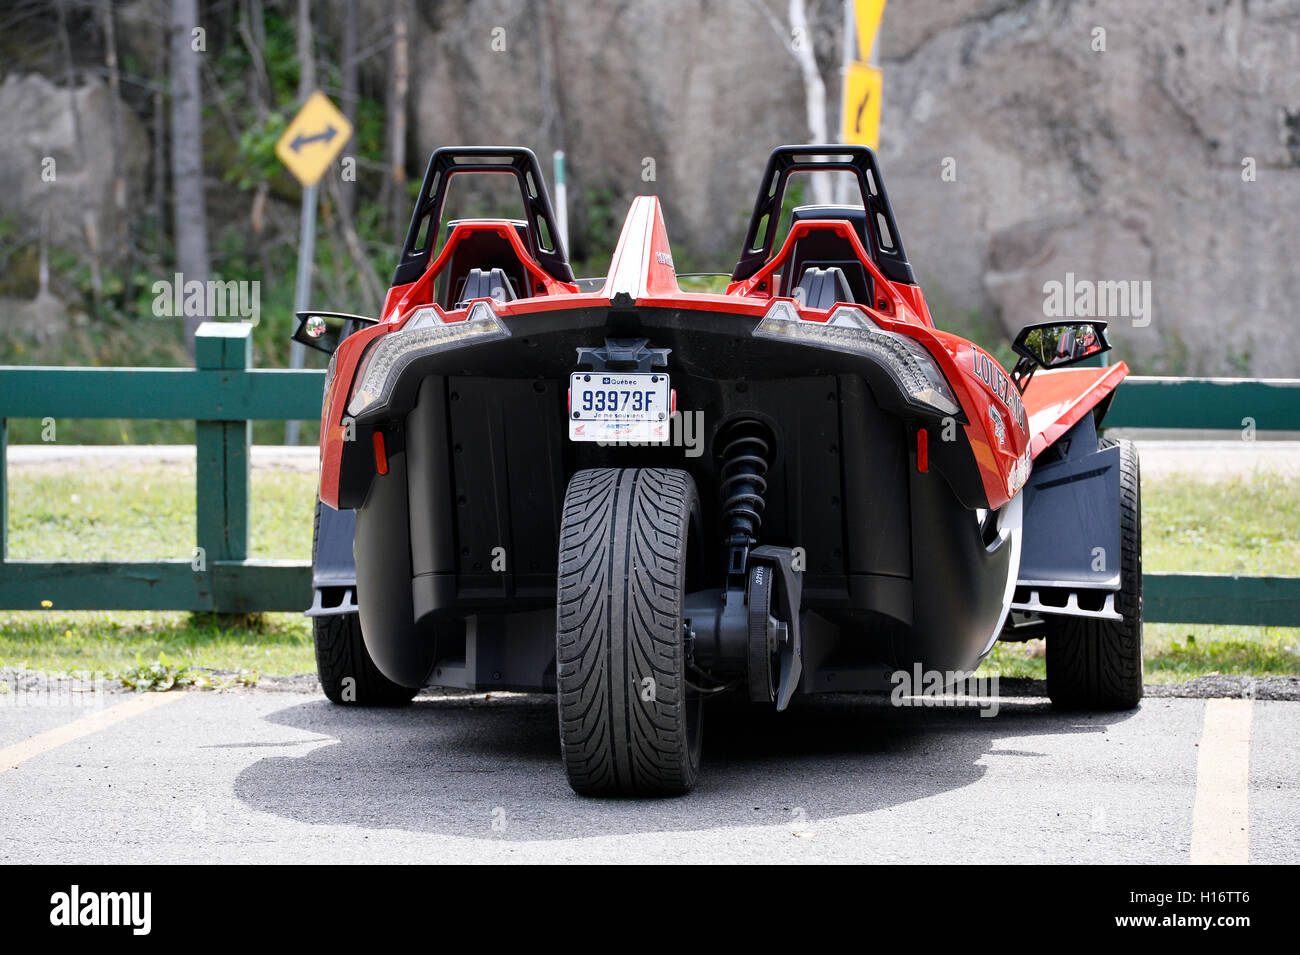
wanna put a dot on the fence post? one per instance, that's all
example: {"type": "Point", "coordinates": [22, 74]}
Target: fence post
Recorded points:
{"type": "Point", "coordinates": [222, 450]}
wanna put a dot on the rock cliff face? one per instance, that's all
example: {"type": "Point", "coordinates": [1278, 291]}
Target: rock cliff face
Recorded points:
{"type": "Point", "coordinates": [1170, 157]}
{"type": "Point", "coordinates": [56, 175]}
{"type": "Point", "coordinates": [48, 131]}
{"type": "Point", "coordinates": [1165, 150]}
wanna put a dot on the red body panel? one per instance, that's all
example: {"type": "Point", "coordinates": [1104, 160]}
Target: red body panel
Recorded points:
{"type": "Point", "coordinates": [998, 426]}
{"type": "Point", "coordinates": [1056, 400]}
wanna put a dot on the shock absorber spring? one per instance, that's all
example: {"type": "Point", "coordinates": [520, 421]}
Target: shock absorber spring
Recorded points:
{"type": "Point", "coordinates": [746, 453]}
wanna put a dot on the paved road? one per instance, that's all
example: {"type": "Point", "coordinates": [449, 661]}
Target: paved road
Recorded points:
{"type": "Point", "coordinates": [262, 776]}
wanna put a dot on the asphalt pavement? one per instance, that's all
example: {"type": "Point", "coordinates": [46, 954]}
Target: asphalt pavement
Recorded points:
{"type": "Point", "coordinates": [267, 776]}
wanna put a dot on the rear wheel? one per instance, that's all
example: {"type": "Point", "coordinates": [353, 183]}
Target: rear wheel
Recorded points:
{"type": "Point", "coordinates": [1097, 664]}
{"type": "Point", "coordinates": [628, 723]}
{"type": "Point", "coordinates": [347, 674]}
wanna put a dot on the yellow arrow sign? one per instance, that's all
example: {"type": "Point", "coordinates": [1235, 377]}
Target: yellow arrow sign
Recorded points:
{"type": "Point", "coordinates": [313, 139]}
{"type": "Point", "coordinates": [867, 14]}
{"type": "Point", "coordinates": [861, 123]}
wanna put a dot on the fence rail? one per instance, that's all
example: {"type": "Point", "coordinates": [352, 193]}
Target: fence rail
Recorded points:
{"type": "Point", "coordinates": [223, 395]}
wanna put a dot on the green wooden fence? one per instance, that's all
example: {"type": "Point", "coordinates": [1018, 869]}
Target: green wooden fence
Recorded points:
{"type": "Point", "coordinates": [223, 395]}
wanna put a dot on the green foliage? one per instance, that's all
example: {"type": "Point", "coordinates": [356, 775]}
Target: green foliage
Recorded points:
{"type": "Point", "coordinates": [159, 676]}
{"type": "Point", "coordinates": [593, 247]}
{"type": "Point", "coordinates": [256, 161]}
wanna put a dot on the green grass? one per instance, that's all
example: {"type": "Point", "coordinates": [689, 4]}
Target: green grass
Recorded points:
{"type": "Point", "coordinates": [130, 512]}
{"type": "Point", "coordinates": [120, 643]}
{"type": "Point", "coordinates": [1177, 652]}
{"type": "Point", "coordinates": [1245, 526]}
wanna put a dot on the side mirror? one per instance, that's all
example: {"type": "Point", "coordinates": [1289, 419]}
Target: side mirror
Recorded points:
{"type": "Point", "coordinates": [1056, 344]}
{"type": "Point", "coordinates": [324, 330]}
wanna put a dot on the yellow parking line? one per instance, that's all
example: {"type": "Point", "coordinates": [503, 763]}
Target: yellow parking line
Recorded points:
{"type": "Point", "coordinates": [11, 756]}
{"type": "Point", "coordinates": [1220, 823]}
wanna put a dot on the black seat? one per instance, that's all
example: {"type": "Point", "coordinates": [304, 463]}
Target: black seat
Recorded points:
{"type": "Point", "coordinates": [824, 250]}
{"type": "Point", "coordinates": [823, 288]}
{"type": "Point", "coordinates": [487, 252]}
{"type": "Point", "coordinates": [491, 284]}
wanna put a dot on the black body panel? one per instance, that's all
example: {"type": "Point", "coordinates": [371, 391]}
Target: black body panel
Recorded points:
{"type": "Point", "coordinates": [462, 535]}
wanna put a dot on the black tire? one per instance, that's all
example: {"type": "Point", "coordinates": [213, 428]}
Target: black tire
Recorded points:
{"type": "Point", "coordinates": [623, 577]}
{"type": "Point", "coordinates": [347, 674]}
{"type": "Point", "coordinates": [1097, 664]}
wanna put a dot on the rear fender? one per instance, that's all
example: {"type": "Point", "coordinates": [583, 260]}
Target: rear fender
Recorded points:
{"type": "Point", "coordinates": [963, 578]}
{"type": "Point", "coordinates": [402, 649]}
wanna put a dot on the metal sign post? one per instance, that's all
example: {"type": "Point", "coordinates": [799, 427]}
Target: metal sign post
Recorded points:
{"type": "Point", "coordinates": [302, 289]}
{"type": "Point", "coordinates": [561, 201]}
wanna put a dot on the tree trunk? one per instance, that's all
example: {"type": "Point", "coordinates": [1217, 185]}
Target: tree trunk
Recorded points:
{"type": "Point", "coordinates": [188, 213]}
{"type": "Point", "coordinates": [306, 57]}
{"type": "Point", "coordinates": [372, 289]}
{"type": "Point", "coordinates": [814, 89]}
{"type": "Point", "coordinates": [351, 100]}
{"type": "Point", "coordinates": [90, 222]}
{"type": "Point", "coordinates": [397, 120]}
{"type": "Point", "coordinates": [159, 177]}
{"type": "Point", "coordinates": [252, 31]}
{"type": "Point", "coordinates": [121, 239]}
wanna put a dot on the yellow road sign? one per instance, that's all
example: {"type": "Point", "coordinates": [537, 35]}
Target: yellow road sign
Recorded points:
{"type": "Point", "coordinates": [313, 139]}
{"type": "Point", "coordinates": [861, 123]}
{"type": "Point", "coordinates": [867, 14]}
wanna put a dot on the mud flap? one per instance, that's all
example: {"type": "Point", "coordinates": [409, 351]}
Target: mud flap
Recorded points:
{"type": "Point", "coordinates": [1072, 535]}
{"type": "Point", "coordinates": [334, 569]}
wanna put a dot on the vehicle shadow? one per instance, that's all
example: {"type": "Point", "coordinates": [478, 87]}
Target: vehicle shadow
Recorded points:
{"type": "Point", "coordinates": [490, 769]}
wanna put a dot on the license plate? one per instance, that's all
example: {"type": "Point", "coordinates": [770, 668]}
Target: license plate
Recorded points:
{"type": "Point", "coordinates": [619, 407]}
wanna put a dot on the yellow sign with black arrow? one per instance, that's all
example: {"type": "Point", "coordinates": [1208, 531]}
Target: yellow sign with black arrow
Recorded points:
{"type": "Point", "coordinates": [315, 136]}
{"type": "Point", "coordinates": [862, 88]}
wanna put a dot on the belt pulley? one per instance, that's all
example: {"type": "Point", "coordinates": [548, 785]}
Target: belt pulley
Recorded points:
{"type": "Point", "coordinates": [775, 649]}
{"type": "Point", "coordinates": [764, 662]}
